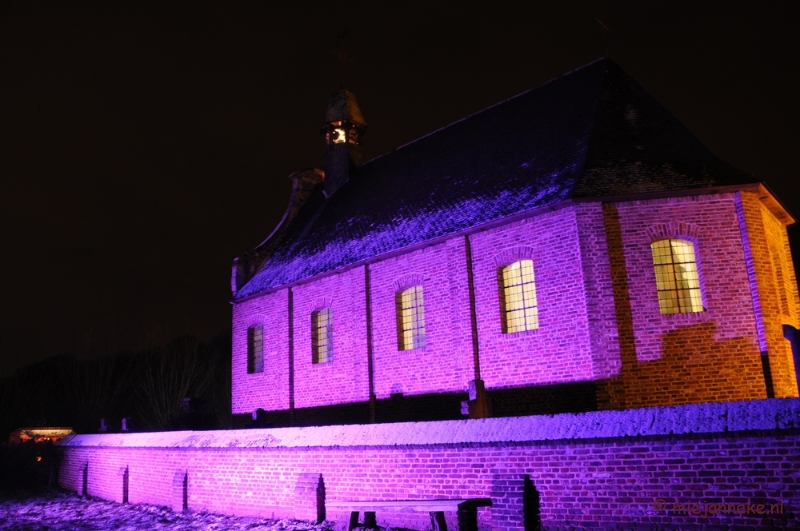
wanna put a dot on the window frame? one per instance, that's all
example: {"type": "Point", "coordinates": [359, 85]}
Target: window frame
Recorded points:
{"type": "Point", "coordinates": [688, 299]}
{"type": "Point", "coordinates": [530, 319]}
{"type": "Point", "coordinates": [322, 345]}
{"type": "Point", "coordinates": [255, 349]}
{"type": "Point", "coordinates": [410, 318]}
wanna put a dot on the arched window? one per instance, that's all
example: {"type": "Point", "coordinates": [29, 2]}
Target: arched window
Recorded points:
{"type": "Point", "coordinates": [410, 318]}
{"type": "Point", "coordinates": [519, 297]}
{"type": "Point", "coordinates": [322, 336]}
{"type": "Point", "coordinates": [255, 349]}
{"type": "Point", "coordinates": [677, 281]}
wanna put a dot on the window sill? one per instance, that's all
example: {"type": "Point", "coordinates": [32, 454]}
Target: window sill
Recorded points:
{"type": "Point", "coordinates": [689, 317]}
{"type": "Point", "coordinates": [521, 333]}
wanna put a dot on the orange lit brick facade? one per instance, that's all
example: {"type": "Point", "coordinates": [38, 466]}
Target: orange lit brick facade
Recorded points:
{"type": "Point", "coordinates": [775, 297]}
{"type": "Point", "coordinates": [712, 355]}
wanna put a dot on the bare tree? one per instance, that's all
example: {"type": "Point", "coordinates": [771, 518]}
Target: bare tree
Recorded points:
{"type": "Point", "coordinates": [221, 390]}
{"type": "Point", "coordinates": [28, 396]}
{"type": "Point", "coordinates": [11, 404]}
{"type": "Point", "coordinates": [92, 388]}
{"type": "Point", "coordinates": [167, 375]}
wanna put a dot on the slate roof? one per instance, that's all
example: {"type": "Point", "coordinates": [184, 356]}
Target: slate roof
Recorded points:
{"type": "Point", "coordinates": [593, 132]}
{"type": "Point", "coordinates": [344, 107]}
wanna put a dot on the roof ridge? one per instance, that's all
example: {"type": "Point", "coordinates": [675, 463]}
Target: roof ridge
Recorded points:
{"type": "Point", "coordinates": [485, 109]}
{"type": "Point", "coordinates": [590, 131]}
{"type": "Point", "coordinates": [645, 144]}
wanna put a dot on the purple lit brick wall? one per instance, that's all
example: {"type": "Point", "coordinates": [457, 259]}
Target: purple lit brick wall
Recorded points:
{"type": "Point", "coordinates": [346, 378]}
{"type": "Point", "coordinates": [601, 310]}
{"type": "Point", "coordinates": [559, 350]}
{"type": "Point", "coordinates": [598, 311]}
{"type": "Point", "coordinates": [611, 468]}
{"type": "Point", "coordinates": [445, 362]}
{"type": "Point", "coordinates": [268, 390]}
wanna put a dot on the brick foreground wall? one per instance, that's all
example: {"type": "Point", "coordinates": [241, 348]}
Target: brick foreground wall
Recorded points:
{"type": "Point", "coordinates": [656, 468]}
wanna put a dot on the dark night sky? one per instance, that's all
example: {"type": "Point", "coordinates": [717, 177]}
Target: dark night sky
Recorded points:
{"type": "Point", "coordinates": [143, 146]}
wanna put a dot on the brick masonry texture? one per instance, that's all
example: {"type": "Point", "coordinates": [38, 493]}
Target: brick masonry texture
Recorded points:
{"type": "Point", "coordinates": [599, 319]}
{"type": "Point", "coordinates": [684, 358]}
{"type": "Point", "coordinates": [604, 469]}
{"type": "Point", "coordinates": [445, 362]}
{"type": "Point", "coordinates": [345, 378]}
{"type": "Point", "coordinates": [776, 287]}
{"type": "Point", "coordinates": [258, 390]}
{"type": "Point", "coordinates": [559, 350]}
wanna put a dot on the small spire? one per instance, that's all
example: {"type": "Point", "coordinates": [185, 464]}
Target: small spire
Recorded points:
{"type": "Point", "coordinates": [343, 128]}
{"type": "Point", "coordinates": [341, 55]}
{"type": "Point", "coordinates": [343, 107]}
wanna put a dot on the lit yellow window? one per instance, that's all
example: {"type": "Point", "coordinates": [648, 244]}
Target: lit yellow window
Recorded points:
{"type": "Point", "coordinates": [677, 282]}
{"type": "Point", "coordinates": [255, 349]}
{"type": "Point", "coordinates": [519, 297]}
{"type": "Point", "coordinates": [411, 321]}
{"type": "Point", "coordinates": [322, 337]}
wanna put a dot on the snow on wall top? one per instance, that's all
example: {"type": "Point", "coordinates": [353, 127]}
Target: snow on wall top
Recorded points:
{"type": "Point", "coordinates": [769, 414]}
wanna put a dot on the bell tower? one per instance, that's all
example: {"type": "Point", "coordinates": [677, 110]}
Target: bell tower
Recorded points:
{"type": "Point", "coordinates": [344, 126]}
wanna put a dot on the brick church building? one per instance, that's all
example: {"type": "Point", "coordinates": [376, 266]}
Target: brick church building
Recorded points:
{"type": "Point", "coordinates": [573, 248]}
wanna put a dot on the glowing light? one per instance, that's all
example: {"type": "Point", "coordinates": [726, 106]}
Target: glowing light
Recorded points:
{"type": "Point", "coordinates": [412, 318]}
{"type": "Point", "coordinates": [339, 136]}
{"type": "Point", "coordinates": [519, 290]}
{"type": "Point", "coordinates": [38, 435]}
{"type": "Point", "coordinates": [677, 280]}
{"type": "Point", "coordinates": [322, 336]}
{"type": "Point", "coordinates": [255, 349]}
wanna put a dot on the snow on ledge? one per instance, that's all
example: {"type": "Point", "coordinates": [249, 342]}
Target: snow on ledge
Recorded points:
{"type": "Point", "coordinates": [771, 414]}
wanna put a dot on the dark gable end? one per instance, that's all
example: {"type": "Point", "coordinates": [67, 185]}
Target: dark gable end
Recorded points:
{"type": "Point", "coordinates": [638, 146]}
{"type": "Point", "coordinates": [590, 133]}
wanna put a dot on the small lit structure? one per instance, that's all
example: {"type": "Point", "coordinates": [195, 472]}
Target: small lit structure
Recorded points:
{"type": "Point", "coordinates": [38, 435]}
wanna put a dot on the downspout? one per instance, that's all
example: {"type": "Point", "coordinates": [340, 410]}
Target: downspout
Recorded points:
{"type": "Point", "coordinates": [479, 406]}
{"type": "Point", "coordinates": [370, 365]}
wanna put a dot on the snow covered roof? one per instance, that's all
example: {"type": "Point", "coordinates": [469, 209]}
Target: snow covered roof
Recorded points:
{"type": "Point", "coordinates": [591, 133]}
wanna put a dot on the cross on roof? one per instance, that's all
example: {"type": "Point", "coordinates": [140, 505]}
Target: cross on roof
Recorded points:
{"type": "Point", "coordinates": [605, 34]}
{"type": "Point", "coordinates": [341, 55]}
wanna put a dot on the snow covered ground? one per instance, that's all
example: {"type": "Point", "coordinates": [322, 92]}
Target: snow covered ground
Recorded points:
{"type": "Point", "coordinates": [66, 511]}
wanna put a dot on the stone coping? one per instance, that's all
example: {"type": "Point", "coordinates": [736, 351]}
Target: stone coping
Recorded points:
{"type": "Point", "coordinates": [768, 414]}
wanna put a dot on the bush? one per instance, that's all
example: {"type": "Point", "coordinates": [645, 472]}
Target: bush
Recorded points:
{"type": "Point", "coordinates": [28, 466]}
